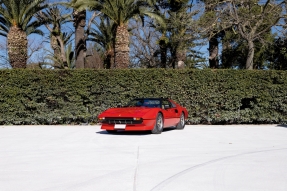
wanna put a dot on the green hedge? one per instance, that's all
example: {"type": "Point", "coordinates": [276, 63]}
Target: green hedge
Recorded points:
{"type": "Point", "coordinates": [78, 96]}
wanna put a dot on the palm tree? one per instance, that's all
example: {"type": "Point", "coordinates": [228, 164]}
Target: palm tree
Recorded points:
{"type": "Point", "coordinates": [58, 39]}
{"type": "Point", "coordinates": [17, 22]}
{"type": "Point", "coordinates": [104, 35]}
{"type": "Point", "coordinates": [120, 12]}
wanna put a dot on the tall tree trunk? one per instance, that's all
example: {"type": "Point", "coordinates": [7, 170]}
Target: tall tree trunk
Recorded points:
{"type": "Point", "coordinates": [63, 52]}
{"type": "Point", "coordinates": [173, 58]}
{"type": "Point", "coordinates": [250, 56]}
{"type": "Point", "coordinates": [178, 54]}
{"type": "Point", "coordinates": [213, 52]}
{"type": "Point", "coordinates": [57, 50]}
{"type": "Point", "coordinates": [93, 59]}
{"type": "Point", "coordinates": [80, 39]}
{"type": "Point", "coordinates": [109, 59]}
{"type": "Point", "coordinates": [163, 53]}
{"type": "Point", "coordinates": [17, 47]}
{"type": "Point", "coordinates": [225, 47]}
{"type": "Point", "coordinates": [57, 44]}
{"type": "Point", "coordinates": [122, 50]}
{"type": "Point", "coordinates": [213, 42]}
{"type": "Point", "coordinates": [180, 58]}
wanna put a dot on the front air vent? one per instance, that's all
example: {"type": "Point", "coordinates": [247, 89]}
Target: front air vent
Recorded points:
{"type": "Point", "coordinates": [117, 120]}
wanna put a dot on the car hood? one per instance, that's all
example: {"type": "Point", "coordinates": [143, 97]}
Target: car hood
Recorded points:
{"type": "Point", "coordinates": [127, 112]}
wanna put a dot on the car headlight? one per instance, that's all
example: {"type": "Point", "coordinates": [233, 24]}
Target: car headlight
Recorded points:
{"type": "Point", "coordinates": [101, 119]}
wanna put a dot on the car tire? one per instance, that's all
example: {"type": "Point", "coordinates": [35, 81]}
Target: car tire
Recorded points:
{"type": "Point", "coordinates": [111, 131]}
{"type": "Point", "coordinates": [181, 122]}
{"type": "Point", "coordinates": [158, 126]}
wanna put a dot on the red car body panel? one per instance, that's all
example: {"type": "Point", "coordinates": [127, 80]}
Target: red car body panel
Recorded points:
{"type": "Point", "coordinates": [122, 118]}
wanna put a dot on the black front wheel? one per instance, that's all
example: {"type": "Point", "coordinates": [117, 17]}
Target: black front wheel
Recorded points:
{"type": "Point", "coordinates": [158, 127]}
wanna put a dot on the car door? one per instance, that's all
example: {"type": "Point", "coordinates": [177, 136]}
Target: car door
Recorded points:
{"type": "Point", "coordinates": [170, 113]}
{"type": "Point", "coordinates": [175, 114]}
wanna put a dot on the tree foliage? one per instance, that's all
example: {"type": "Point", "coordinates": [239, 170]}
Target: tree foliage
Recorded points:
{"type": "Point", "coordinates": [54, 18]}
{"type": "Point", "coordinates": [120, 12]}
{"type": "Point", "coordinates": [179, 26]}
{"type": "Point", "coordinates": [104, 35]}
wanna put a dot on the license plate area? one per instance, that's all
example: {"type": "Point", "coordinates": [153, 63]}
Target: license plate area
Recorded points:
{"type": "Point", "coordinates": [120, 126]}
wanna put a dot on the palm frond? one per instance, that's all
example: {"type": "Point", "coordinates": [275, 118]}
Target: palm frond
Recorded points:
{"type": "Point", "coordinates": [3, 34]}
{"type": "Point", "coordinates": [21, 13]}
{"type": "Point", "coordinates": [104, 34]}
{"type": "Point", "coordinates": [156, 17]}
{"type": "Point", "coordinates": [81, 5]}
{"type": "Point", "coordinates": [67, 37]}
{"type": "Point", "coordinates": [32, 30]}
{"type": "Point", "coordinates": [4, 25]}
{"type": "Point", "coordinates": [58, 61]}
{"type": "Point", "coordinates": [34, 24]}
{"type": "Point", "coordinates": [70, 56]}
{"type": "Point", "coordinates": [30, 12]}
{"type": "Point", "coordinates": [5, 14]}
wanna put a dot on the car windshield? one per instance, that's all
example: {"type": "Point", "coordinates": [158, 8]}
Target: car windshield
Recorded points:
{"type": "Point", "coordinates": [144, 103]}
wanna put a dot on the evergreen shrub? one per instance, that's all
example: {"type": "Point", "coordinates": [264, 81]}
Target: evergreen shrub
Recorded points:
{"type": "Point", "coordinates": [78, 96]}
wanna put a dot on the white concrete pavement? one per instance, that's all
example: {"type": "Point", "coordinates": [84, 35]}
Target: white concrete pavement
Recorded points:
{"type": "Point", "coordinates": [198, 158]}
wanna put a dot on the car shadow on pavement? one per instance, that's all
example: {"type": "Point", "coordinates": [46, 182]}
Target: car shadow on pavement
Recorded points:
{"type": "Point", "coordinates": [281, 125]}
{"type": "Point", "coordinates": [134, 133]}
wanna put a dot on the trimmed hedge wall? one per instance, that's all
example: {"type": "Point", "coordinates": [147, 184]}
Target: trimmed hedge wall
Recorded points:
{"type": "Point", "coordinates": [78, 96]}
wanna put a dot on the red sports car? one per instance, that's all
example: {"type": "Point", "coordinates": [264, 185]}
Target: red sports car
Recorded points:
{"type": "Point", "coordinates": [144, 114]}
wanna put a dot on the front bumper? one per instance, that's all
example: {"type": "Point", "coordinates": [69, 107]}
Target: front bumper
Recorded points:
{"type": "Point", "coordinates": [147, 124]}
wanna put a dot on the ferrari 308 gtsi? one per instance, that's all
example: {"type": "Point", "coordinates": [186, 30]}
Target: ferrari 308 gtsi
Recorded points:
{"type": "Point", "coordinates": [144, 114]}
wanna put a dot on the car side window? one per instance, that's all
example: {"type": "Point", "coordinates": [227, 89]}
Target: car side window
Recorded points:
{"type": "Point", "coordinates": [167, 104]}
{"type": "Point", "coordinates": [172, 104]}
